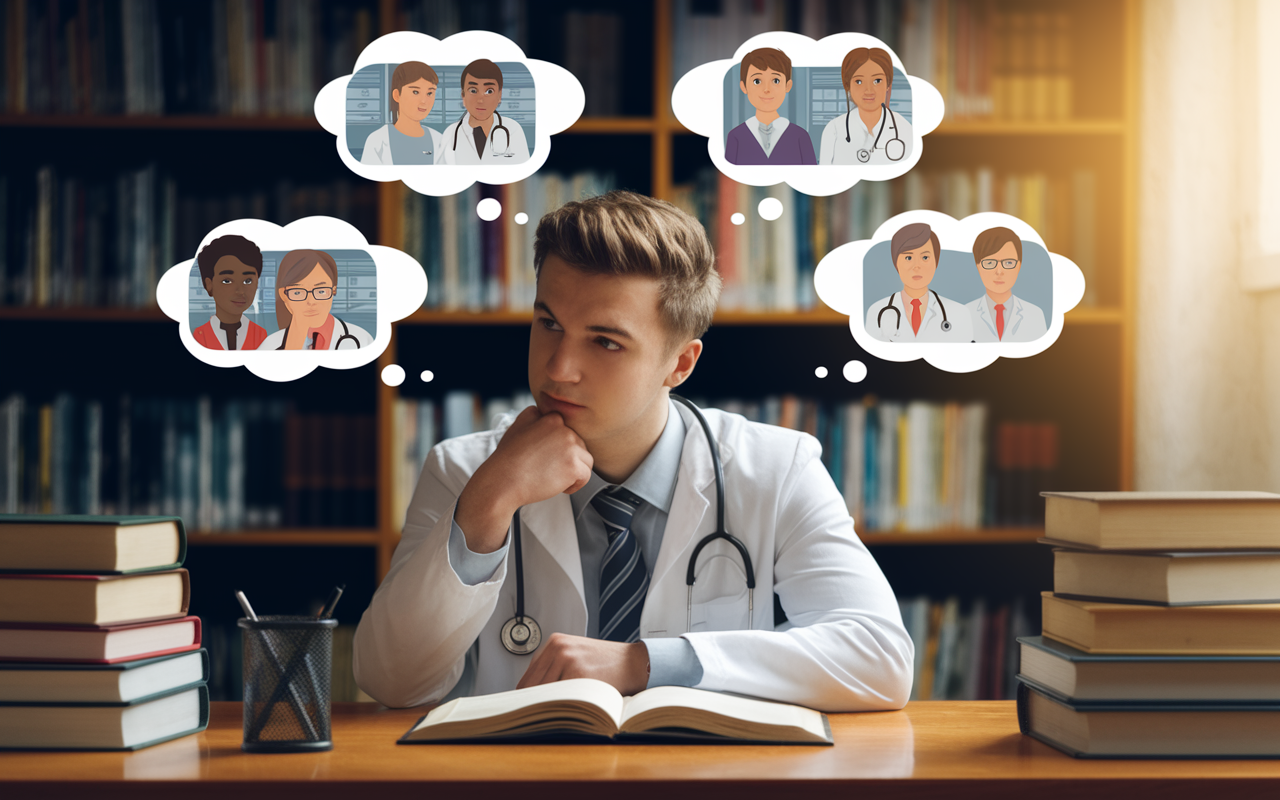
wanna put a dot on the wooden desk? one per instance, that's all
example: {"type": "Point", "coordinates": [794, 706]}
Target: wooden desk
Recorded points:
{"type": "Point", "coordinates": [929, 750]}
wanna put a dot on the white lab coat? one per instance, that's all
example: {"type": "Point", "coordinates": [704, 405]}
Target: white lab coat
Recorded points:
{"type": "Point", "coordinates": [1023, 321]}
{"type": "Point", "coordinates": [465, 151]}
{"type": "Point", "coordinates": [377, 148]}
{"type": "Point", "coordinates": [833, 149]}
{"type": "Point", "coordinates": [844, 649]}
{"type": "Point", "coordinates": [887, 327]}
{"type": "Point", "coordinates": [341, 328]}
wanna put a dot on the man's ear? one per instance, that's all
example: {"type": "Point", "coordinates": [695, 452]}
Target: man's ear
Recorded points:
{"type": "Point", "coordinates": [788, 89]}
{"type": "Point", "coordinates": [686, 359]}
{"type": "Point", "coordinates": [208, 285]}
{"type": "Point", "coordinates": [395, 96]}
{"type": "Point", "coordinates": [743, 86]}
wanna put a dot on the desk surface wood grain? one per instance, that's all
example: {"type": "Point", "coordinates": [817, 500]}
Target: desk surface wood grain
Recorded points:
{"type": "Point", "coordinates": [928, 750]}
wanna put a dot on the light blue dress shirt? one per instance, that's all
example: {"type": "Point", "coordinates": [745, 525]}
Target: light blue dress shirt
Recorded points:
{"type": "Point", "coordinates": [672, 662]}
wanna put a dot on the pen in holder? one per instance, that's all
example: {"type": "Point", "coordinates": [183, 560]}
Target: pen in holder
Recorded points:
{"type": "Point", "coordinates": [287, 681]}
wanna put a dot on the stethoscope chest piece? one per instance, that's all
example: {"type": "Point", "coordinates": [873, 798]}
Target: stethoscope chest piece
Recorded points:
{"type": "Point", "coordinates": [946, 326]}
{"type": "Point", "coordinates": [864, 155]}
{"type": "Point", "coordinates": [521, 635]}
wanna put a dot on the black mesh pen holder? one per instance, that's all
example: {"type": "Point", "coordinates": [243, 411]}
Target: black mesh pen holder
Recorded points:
{"type": "Point", "coordinates": [287, 680]}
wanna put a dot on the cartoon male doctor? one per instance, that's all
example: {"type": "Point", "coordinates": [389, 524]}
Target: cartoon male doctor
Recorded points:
{"type": "Point", "coordinates": [917, 313]}
{"type": "Point", "coordinates": [999, 315]}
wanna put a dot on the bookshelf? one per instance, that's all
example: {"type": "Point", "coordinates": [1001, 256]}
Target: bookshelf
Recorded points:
{"type": "Point", "coordinates": [1086, 380]}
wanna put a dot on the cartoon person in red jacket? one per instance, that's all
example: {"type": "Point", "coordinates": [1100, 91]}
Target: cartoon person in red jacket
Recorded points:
{"type": "Point", "coordinates": [230, 267]}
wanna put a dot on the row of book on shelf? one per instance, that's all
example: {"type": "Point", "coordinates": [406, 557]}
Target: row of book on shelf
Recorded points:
{"type": "Point", "coordinates": [1158, 639]}
{"type": "Point", "coordinates": [988, 60]}
{"type": "Point", "coordinates": [765, 266]}
{"type": "Point", "coordinates": [914, 466]}
{"type": "Point", "coordinates": [73, 240]}
{"type": "Point", "coordinates": [195, 57]}
{"type": "Point", "coordinates": [965, 650]}
{"type": "Point", "coordinates": [97, 650]}
{"type": "Point", "coordinates": [224, 465]}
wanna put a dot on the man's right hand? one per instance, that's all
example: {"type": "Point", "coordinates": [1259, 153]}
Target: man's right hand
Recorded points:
{"type": "Point", "coordinates": [538, 457]}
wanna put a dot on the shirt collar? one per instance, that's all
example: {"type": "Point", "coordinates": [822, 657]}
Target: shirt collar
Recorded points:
{"type": "Point", "coordinates": [779, 125]}
{"type": "Point", "coordinates": [875, 126]}
{"type": "Point", "coordinates": [325, 332]}
{"type": "Point", "coordinates": [654, 481]}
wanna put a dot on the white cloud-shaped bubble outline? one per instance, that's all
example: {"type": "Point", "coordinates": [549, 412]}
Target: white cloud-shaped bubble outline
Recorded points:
{"type": "Point", "coordinates": [838, 281]}
{"type": "Point", "coordinates": [550, 81]}
{"type": "Point", "coordinates": [698, 103]}
{"type": "Point", "coordinates": [402, 286]}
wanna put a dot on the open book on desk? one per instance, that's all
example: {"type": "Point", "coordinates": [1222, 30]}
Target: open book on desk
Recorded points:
{"type": "Point", "coordinates": [587, 710]}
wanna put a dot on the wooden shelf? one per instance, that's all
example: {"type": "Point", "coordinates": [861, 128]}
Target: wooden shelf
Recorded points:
{"type": "Point", "coordinates": [161, 122]}
{"type": "Point", "coordinates": [614, 125]}
{"type": "Point", "coordinates": [954, 536]}
{"type": "Point", "coordinates": [84, 314]}
{"type": "Point", "coordinates": [309, 537]}
{"type": "Point", "coordinates": [1003, 127]}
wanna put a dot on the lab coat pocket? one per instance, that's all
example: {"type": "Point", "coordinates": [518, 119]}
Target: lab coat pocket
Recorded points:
{"type": "Point", "coordinates": [720, 594]}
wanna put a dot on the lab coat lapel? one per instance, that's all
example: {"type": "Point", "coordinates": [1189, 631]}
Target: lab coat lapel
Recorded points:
{"type": "Point", "coordinates": [930, 312]}
{"type": "Point", "coordinates": [985, 316]}
{"type": "Point", "coordinates": [693, 501]}
{"type": "Point", "coordinates": [1015, 315]}
{"type": "Point", "coordinates": [551, 523]}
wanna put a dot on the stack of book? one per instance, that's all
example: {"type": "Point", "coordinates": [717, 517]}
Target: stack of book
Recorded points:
{"type": "Point", "coordinates": [1162, 635]}
{"type": "Point", "coordinates": [96, 649]}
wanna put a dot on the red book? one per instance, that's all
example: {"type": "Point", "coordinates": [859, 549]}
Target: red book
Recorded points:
{"type": "Point", "coordinates": [111, 644]}
{"type": "Point", "coordinates": [94, 600]}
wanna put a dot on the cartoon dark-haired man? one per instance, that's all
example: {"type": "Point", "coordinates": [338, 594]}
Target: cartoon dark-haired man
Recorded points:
{"type": "Point", "coordinates": [230, 267]}
{"type": "Point", "coordinates": [482, 135]}
{"type": "Point", "coordinates": [918, 313]}
{"type": "Point", "coordinates": [767, 137]}
{"type": "Point", "coordinates": [1000, 316]}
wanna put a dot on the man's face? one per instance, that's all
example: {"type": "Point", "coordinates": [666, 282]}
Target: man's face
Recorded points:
{"type": "Point", "coordinates": [916, 267]}
{"type": "Point", "coordinates": [765, 88]}
{"type": "Point", "coordinates": [233, 286]}
{"type": "Point", "coordinates": [999, 271]}
{"type": "Point", "coordinates": [598, 351]}
{"type": "Point", "coordinates": [415, 100]}
{"type": "Point", "coordinates": [480, 96]}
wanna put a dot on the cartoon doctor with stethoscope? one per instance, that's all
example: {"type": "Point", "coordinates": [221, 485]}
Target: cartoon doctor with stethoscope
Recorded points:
{"type": "Point", "coordinates": [483, 135]}
{"type": "Point", "coordinates": [876, 134]}
{"type": "Point", "coordinates": [918, 313]}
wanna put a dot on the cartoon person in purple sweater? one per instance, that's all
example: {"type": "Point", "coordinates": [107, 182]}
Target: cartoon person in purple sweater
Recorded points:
{"type": "Point", "coordinates": [767, 137]}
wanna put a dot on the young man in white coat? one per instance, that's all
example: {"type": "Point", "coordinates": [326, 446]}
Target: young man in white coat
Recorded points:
{"type": "Point", "coordinates": [626, 286]}
{"type": "Point", "coordinates": [999, 315]}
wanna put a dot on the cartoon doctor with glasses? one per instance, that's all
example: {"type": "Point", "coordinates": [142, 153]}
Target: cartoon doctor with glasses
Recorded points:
{"type": "Point", "coordinates": [306, 282]}
{"type": "Point", "coordinates": [999, 315]}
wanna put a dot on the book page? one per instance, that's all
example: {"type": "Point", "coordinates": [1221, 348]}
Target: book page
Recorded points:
{"type": "Point", "coordinates": [581, 690]}
{"type": "Point", "coordinates": [755, 712]}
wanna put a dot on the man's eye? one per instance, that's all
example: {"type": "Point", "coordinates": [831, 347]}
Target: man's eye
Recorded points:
{"type": "Point", "coordinates": [776, 81]}
{"type": "Point", "coordinates": [908, 258]}
{"type": "Point", "coordinates": [548, 323]}
{"type": "Point", "coordinates": [226, 281]}
{"type": "Point", "coordinates": [248, 281]}
{"type": "Point", "coordinates": [756, 81]}
{"type": "Point", "coordinates": [488, 91]}
{"type": "Point", "coordinates": [609, 344]}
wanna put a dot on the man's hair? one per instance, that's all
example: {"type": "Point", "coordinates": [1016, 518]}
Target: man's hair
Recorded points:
{"type": "Point", "coordinates": [859, 56]}
{"type": "Point", "coordinates": [483, 69]}
{"type": "Point", "coordinates": [407, 73]}
{"type": "Point", "coordinates": [623, 233]}
{"type": "Point", "coordinates": [912, 237]}
{"type": "Point", "coordinates": [990, 241]}
{"type": "Point", "coordinates": [236, 246]}
{"type": "Point", "coordinates": [766, 58]}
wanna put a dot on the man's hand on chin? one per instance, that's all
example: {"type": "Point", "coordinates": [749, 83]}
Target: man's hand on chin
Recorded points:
{"type": "Point", "coordinates": [624, 666]}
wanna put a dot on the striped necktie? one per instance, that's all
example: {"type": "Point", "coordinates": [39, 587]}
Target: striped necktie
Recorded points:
{"type": "Point", "coordinates": [624, 579]}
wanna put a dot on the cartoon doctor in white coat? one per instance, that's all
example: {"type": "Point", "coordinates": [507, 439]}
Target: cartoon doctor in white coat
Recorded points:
{"type": "Point", "coordinates": [917, 313]}
{"type": "Point", "coordinates": [999, 315]}
{"type": "Point", "coordinates": [614, 486]}
{"type": "Point", "coordinates": [483, 135]}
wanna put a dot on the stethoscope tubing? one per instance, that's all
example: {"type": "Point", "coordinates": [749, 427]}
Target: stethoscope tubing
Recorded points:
{"type": "Point", "coordinates": [889, 306]}
{"type": "Point", "coordinates": [887, 116]}
{"type": "Point", "coordinates": [498, 127]}
{"type": "Point", "coordinates": [691, 572]}
{"type": "Point", "coordinates": [337, 345]}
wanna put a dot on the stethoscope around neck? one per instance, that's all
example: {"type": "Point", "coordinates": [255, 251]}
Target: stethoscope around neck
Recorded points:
{"type": "Point", "coordinates": [894, 149]}
{"type": "Point", "coordinates": [946, 324]}
{"type": "Point", "coordinates": [315, 337]}
{"type": "Point", "coordinates": [521, 634]}
{"type": "Point", "coordinates": [506, 151]}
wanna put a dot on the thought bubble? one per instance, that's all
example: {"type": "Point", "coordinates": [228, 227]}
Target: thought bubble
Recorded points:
{"type": "Point", "coordinates": [958, 324]}
{"type": "Point", "coordinates": [815, 152]}
{"type": "Point", "coordinates": [375, 286]}
{"type": "Point", "coordinates": [538, 99]}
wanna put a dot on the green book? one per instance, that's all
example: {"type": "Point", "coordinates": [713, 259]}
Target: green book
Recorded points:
{"type": "Point", "coordinates": [89, 544]}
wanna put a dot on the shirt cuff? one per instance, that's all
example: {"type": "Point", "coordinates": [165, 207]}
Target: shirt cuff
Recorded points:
{"type": "Point", "coordinates": [473, 568]}
{"type": "Point", "coordinates": [672, 662]}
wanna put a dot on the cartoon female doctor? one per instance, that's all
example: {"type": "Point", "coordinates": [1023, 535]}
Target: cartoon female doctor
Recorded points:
{"type": "Point", "coordinates": [876, 134]}
{"type": "Point", "coordinates": [406, 140]}
{"type": "Point", "coordinates": [306, 282]}
{"type": "Point", "coordinates": [917, 313]}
